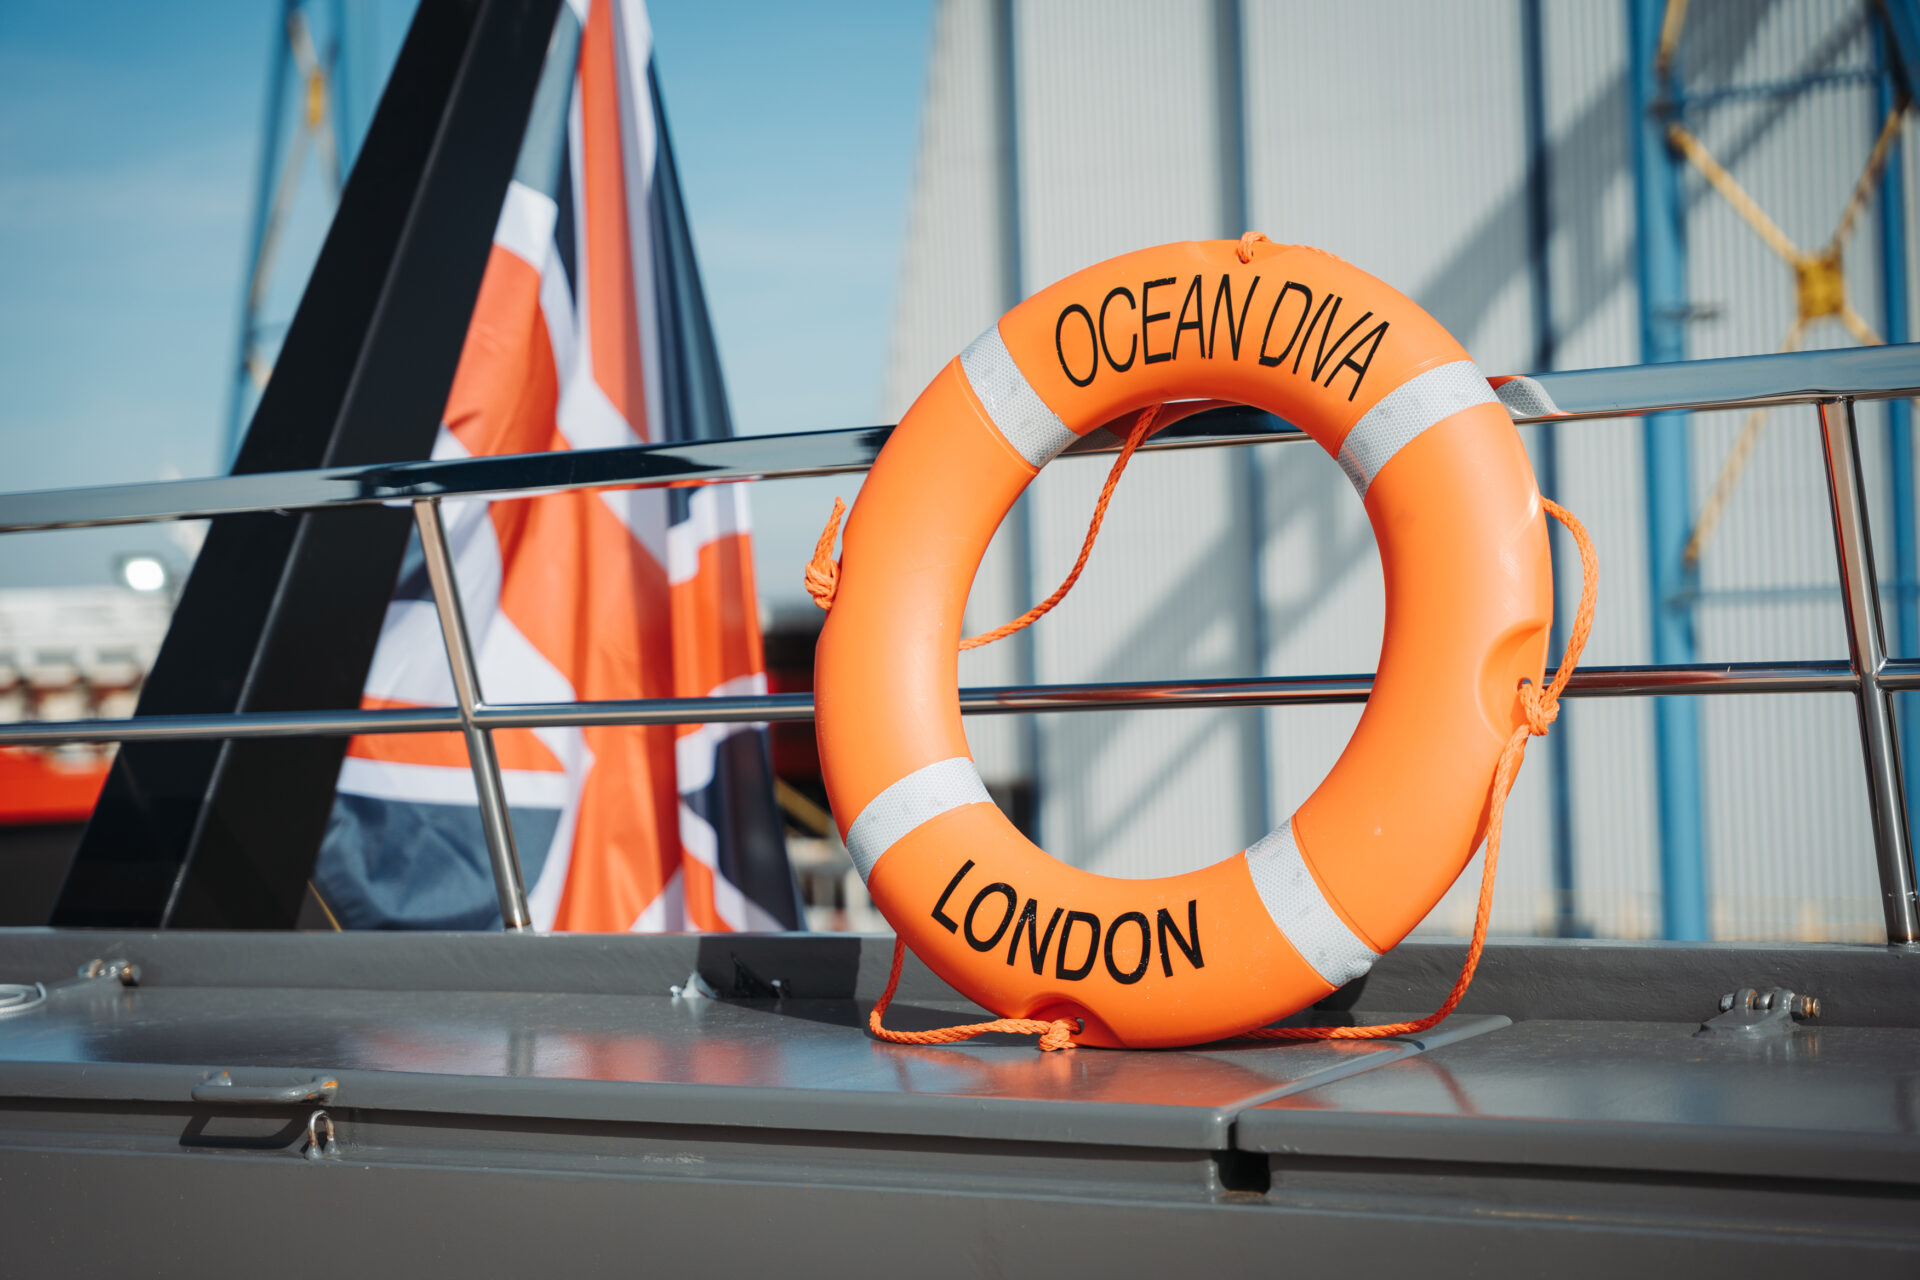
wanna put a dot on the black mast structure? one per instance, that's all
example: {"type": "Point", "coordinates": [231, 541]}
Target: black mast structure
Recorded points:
{"type": "Point", "coordinates": [282, 612]}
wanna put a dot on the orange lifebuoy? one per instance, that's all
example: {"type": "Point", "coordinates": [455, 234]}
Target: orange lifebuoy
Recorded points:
{"type": "Point", "coordinates": [1381, 386]}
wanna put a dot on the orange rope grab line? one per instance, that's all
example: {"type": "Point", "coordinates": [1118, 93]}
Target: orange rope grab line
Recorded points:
{"type": "Point", "coordinates": [1057, 1034]}
{"type": "Point", "coordinates": [1542, 708]}
{"type": "Point", "coordinates": [823, 571]}
{"type": "Point", "coordinates": [823, 582]}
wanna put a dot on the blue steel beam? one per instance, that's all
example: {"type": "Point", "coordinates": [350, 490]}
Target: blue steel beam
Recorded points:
{"type": "Point", "coordinates": [1903, 24]}
{"type": "Point", "coordinates": [1566, 919]}
{"type": "Point", "coordinates": [1004, 37]}
{"type": "Point", "coordinates": [1660, 257]}
{"type": "Point", "coordinates": [343, 79]}
{"type": "Point", "coordinates": [1893, 275]}
{"type": "Point", "coordinates": [270, 141]}
{"type": "Point", "coordinates": [346, 54]}
{"type": "Point", "coordinates": [1230, 110]}
{"type": "Point", "coordinates": [355, 70]}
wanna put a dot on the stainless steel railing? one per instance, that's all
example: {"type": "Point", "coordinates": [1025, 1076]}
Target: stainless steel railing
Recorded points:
{"type": "Point", "coordinates": [1830, 380]}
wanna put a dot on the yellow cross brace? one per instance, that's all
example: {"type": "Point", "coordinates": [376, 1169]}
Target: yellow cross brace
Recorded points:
{"type": "Point", "coordinates": [1820, 284]}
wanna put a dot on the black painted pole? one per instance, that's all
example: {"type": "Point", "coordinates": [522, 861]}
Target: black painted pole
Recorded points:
{"type": "Point", "coordinates": [282, 612]}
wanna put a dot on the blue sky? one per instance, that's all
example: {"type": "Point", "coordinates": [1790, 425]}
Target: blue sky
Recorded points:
{"type": "Point", "coordinates": [129, 140]}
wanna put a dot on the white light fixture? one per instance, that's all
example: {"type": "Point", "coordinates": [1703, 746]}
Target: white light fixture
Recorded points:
{"type": "Point", "coordinates": [144, 573]}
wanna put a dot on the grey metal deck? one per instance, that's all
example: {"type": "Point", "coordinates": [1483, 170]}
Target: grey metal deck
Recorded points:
{"type": "Point", "coordinates": [538, 1103]}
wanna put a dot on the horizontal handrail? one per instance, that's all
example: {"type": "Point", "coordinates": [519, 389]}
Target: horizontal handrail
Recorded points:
{"type": "Point", "coordinates": [1588, 682]}
{"type": "Point", "coordinates": [1831, 379]}
{"type": "Point", "coordinates": [1806, 377]}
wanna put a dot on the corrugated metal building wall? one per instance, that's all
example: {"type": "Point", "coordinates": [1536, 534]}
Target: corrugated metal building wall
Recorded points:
{"type": "Point", "coordinates": [1060, 132]}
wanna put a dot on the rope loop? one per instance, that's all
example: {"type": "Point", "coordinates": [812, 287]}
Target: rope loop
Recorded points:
{"type": "Point", "coordinates": [823, 571]}
{"type": "Point", "coordinates": [1244, 250]}
{"type": "Point", "coordinates": [1143, 425]}
{"type": "Point", "coordinates": [1055, 1034]}
{"type": "Point", "coordinates": [822, 580]}
{"type": "Point", "coordinates": [1542, 708]}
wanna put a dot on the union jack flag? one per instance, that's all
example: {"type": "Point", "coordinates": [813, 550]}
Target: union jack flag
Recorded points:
{"type": "Point", "coordinates": [590, 330]}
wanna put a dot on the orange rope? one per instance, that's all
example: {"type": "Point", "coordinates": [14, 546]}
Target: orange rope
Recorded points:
{"type": "Point", "coordinates": [1542, 709]}
{"type": "Point", "coordinates": [1141, 427]}
{"type": "Point", "coordinates": [823, 571]}
{"type": "Point", "coordinates": [823, 584]}
{"type": "Point", "coordinates": [1057, 1034]}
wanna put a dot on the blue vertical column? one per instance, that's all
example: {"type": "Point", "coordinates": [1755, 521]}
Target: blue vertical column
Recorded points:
{"type": "Point", "coordinates": [346, 79]}
{"type": "Point", "coordinates": [1660, 253]}
{"type": "Point", "coordinates": [1893, 275]}
{"type": "Point", "coordinates": [359, 45]}
{"type": "Point", "coordinates": [347, 51]}
{"type": "Point", "coordinates": [273, 128]}
{"type": "Point", "coordinates": [1230, 123]}
{"type": "Point", "coordinates": [1566, 919]}
{"type": "Point", "coordinates": [1006, 129]}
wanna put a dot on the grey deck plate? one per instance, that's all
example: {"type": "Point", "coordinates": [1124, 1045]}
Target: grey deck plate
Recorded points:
{"type": "Point", "coordinates": [800, 1064]}
{"type": "Point", "coordinates": [1824, 1102]}
{"type": "Point", "coordinates": [1598, 1069]}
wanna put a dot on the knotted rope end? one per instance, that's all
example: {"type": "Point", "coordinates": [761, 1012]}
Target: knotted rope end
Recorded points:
{"type": "Point", "coordinates": [1541, 708]}
{"type": "Point", "coordinates": [1058, 1035]}
{"type": "Point", "coordinates": [823, 571]}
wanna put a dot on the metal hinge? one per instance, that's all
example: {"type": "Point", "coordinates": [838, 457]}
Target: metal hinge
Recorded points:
{"type": "Point", "coordinates": [1752, 1013]}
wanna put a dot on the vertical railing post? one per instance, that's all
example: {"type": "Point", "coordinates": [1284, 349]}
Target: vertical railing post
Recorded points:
{"type": "Point", "coordinates": [1673, 583]}
{"type": "Point", "coordinates": [1867, 650]}
{"type": "Point", "coordinates": [494, 818]}
{"type": "Point", "coordinates": [1905, 539]}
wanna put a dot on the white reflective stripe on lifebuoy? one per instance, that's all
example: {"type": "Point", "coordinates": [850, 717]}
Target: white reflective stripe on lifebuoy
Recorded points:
{"type": "Point", "coordinates": [1406, 411]}
{"type": "Point", "coordinates": [1035, 431]}
{"type": "Point", "coordinates": [924, 794]}
{"type": "Point", "coordinates": [1526, 398]}
{"type": "Point", "coordinates": [1300, 911]}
